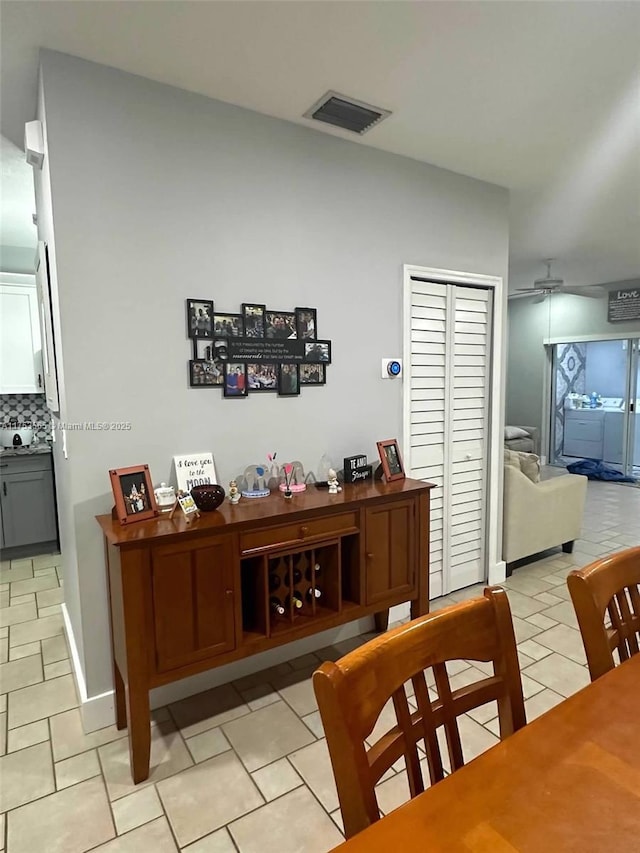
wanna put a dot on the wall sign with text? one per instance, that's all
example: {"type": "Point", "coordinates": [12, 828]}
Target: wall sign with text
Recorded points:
{"type": "Point", "coordinates": [624, 305]}
{"type": "Point", "coordinates": [256, 350]}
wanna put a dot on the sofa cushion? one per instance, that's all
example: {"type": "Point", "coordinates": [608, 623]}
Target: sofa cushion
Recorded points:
{"type": "Point", "coordinates": [528, 463]}
{"type": "Point", "coordinates": [511, 432]}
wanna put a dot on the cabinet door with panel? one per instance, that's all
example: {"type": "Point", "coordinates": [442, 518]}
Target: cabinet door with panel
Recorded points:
{"type": "Point", "coordinates": [194, 600]}
{"type": "Point", "coordinates": [390, 550]}
{"type": "Point", "coordinates": [20, 347]}
{"type": "Point", "coordinates": [28, 508]}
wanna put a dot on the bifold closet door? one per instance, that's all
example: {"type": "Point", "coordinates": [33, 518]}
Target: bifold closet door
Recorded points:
{"type": "Point", "coordinates": [448, 387]}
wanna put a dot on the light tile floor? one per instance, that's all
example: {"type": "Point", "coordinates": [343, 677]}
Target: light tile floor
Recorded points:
{"type": "Point", "coordinates": [243, 767]}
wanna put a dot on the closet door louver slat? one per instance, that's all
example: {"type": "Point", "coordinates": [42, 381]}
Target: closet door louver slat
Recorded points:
{"type": "Point", "coordinates": [448, 386]}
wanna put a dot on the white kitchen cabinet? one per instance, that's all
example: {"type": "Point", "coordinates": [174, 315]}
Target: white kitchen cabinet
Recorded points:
{"type": "Point", "coordinates": [20, 347]}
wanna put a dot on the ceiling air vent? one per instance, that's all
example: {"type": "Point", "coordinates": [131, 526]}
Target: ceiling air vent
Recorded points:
{"type": "Point", "coordinates": [347, 113]}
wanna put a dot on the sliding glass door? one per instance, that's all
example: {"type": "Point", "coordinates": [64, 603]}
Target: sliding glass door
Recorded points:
{"type": "Point", "coordinates": [595, 392]}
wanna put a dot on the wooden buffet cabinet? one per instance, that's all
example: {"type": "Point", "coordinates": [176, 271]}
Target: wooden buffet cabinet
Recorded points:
{"type": "Point", "coordinates": [188, 597]}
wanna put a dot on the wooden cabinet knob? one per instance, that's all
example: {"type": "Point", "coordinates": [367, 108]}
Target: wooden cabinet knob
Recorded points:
{"type": "Point", "coordinates": [303, 531]}
{"type": "Point", "coordinates": [228, 592]}
{"type": "Point", "coordinates": [370, 556]}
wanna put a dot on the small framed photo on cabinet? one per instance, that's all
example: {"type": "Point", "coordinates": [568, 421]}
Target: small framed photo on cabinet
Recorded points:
{"type": "Point", "coordinates": [199, 318]}
{"type": "Point", "coordinates": [391, 460]}
{"type": "Point", "coordinates": [133, 493]}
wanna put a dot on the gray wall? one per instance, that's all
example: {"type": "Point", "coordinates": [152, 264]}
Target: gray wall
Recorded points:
{"type": "Point", "coordinates": [559, 316]}
{"type": "Point", "coordinates": [160, 195]}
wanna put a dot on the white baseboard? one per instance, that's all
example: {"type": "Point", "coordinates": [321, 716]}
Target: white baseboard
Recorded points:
{"type": "Point", "coordinates": [497, 573]}
{"type": "Point", "coordinates": [97, 712]}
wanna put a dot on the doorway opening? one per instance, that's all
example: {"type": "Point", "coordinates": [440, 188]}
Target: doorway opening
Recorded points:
{"type": "Point", "coordinates": [594, 403]}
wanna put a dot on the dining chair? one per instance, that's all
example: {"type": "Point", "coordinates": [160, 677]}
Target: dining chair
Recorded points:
{"type": "Point", "coordinates": [353, 691]}
{"type": "Point", "coordinates": [606, 598]}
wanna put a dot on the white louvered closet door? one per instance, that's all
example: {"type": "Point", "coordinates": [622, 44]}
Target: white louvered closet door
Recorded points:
{"type": "Point", "coordinates": [449, 403]}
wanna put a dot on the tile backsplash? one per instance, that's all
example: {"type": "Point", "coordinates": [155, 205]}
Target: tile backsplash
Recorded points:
{"type": "Point", "coordinates": [30, 410]}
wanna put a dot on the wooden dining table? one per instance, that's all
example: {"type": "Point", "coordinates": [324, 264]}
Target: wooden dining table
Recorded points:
{"type": "Point", "coordinates": [568, 781]}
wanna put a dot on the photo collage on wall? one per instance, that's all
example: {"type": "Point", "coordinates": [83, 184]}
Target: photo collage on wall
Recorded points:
{"type": "Point", "coordinates": [256, 350]}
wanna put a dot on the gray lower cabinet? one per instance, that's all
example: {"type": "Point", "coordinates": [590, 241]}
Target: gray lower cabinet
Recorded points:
{"type": "Point", "coordinates": [583, 433]}
{"type": "Point", "coordinates": [27, 500]}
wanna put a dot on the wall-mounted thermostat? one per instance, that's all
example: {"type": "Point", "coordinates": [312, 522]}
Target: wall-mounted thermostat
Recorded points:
{"type": "Point", "coordinates": [391, 368]}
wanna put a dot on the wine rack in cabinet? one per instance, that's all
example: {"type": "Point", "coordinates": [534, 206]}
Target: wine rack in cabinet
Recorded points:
{"type": "Point", "coordinates": [243, 579]}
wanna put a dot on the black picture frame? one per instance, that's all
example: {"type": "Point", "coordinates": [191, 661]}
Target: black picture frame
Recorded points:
{"type": "Point", "coordinates": [205, 373]}
{"type": "Point", "coordinates": [199, 326]}
{"type": "Point", "coordinates": [262, 376]}
{"type": "Point", "coordinates": [235, 372]}
{"type": "Point", "coordinates": [280, 324]}
{"type": "Point", "coordinates": [228, 326]}
{"type": "Point", "coordinates": [253, 316]}
{"type": "Point", "coordinates": [318, 352]}
{"type": "Point", "coordinates": [288, 380]}
{"type": "Point", "coordinates": [210, 350]}
{"type": "Point", "coordinates": [307, 323]}
{"type": "Point", "coordinates": [314, 373]}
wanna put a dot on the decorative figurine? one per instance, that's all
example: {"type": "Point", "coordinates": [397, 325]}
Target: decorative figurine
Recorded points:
{"type": "Point", "coordinates": [293, 478]}
{"type": "Point", "coordinates": [234, 494]}
{"type": "Point", "coordinates": [256, 478]}
{"type": "Point", "coordinates": [286, 486]}
{"type": "Point", "coordinates": [332, 482]}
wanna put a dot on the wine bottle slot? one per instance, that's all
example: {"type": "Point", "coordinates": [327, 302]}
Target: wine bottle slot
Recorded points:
{"type": "Point", "coordinates": [276, 606]}
{"type": "Point", "coordinates": [274, 581]}
{"type": "Point", "coordinates": [297, 601]}
{"type": "Point", "coordinates": [316, 570]}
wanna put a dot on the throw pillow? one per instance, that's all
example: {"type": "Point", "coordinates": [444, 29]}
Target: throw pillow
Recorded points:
{"type": "Point", "coordinates": [514, 432]}
{"type": "Point", "coordinates": [530, 466]}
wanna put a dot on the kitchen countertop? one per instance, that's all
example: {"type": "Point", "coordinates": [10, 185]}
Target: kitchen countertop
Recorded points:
{"type": "Point", "coordinates": [33, 450]}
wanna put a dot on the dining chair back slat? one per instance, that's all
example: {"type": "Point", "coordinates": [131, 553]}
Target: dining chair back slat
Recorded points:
{"type": "Point", "coordinates": [388, 673]}
{"type": "Point", "coordinates": [606, 598]}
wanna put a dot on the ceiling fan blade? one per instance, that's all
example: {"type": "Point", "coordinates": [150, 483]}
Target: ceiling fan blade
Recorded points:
{"type": "Point", "coordinates": [531, 289]}
{"type": "Point", "coordinates": [589, 292]}
{"type": "Point", "coordinates": [524, 292]}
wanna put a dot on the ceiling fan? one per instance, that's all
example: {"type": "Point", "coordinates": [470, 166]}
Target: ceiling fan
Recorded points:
{"type": "Point", "coordinates": [543, 287]}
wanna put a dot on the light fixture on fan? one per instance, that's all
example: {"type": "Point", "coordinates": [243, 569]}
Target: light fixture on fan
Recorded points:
{"type": "Point", "coordinates": [543, 287]}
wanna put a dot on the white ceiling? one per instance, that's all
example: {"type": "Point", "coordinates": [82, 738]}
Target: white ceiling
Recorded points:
{"type": "Point", "coordinates": [539, 97]}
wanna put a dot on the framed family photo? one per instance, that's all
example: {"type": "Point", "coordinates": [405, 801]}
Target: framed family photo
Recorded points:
{"type": "Point", "coordinates": [205, 373]}
{"type": "Point", "coordinates": [254, 320]}
{"type": "Point", "coordinates": [262, 376]}
{"type": "Point", "coordinates": [280, 324]}
{"type": "Point", "coordinates": [288, 380]}
{"type": "Point", "coordinates": [313, 374]}
{"type": "Point", "coordinates": [307, 323]}
{"type": "Point", "coordinates": [235, 379]}
{"type": "Point", "coordinates": [199, 318]}
{"type": "Point", "coordinates": [391, 460]}
{"type": "Point", "coordinates": [133, 493]}
{"type": "Point", "coordinates": [228, 325]}
{"type": "Point", "coordinates": [318, 351]}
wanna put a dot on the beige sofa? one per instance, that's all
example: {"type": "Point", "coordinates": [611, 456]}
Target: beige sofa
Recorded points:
{"type": "Point", "coordinates": [539, 515]}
